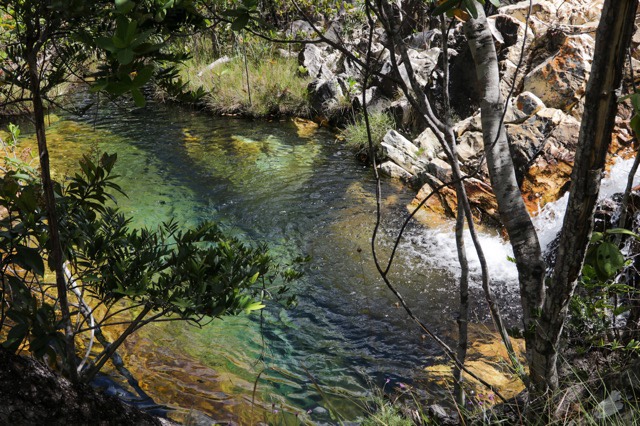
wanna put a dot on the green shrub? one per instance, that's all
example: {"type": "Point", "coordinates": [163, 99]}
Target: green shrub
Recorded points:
{"type": "Point", "coordinates": [193, 275]}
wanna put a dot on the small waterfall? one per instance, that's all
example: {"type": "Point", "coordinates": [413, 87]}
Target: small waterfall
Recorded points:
{"type": "Point", "coordinates": [436, 247]}
{"type": "Point", "coordinates": [548, 221]}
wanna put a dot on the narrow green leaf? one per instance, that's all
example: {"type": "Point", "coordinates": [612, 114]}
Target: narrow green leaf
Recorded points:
{"type": "Point", "coordinates": [118, 42]}
{"type": "Point", "coordinates": [635, 124]}
{"type": "Point", "coordinates": [105, 43]}
{"type": "Point", "coordinates": [15, 337]}
{"type": "Point", "coordinates": [125, 56]}
{"type": "Point", "coordinates": [596, 236]}
{"type": "Point", "coordinates": [635, 101]}
{"type": "Point", "coordinates": [622, 231]}
{"type": "Point", "coordinates": [140, 38]}
{"type": "Point", "coordinates": [255, 306]}
{"type": "Point", "coordinates": [30, 259]}
{"type": "Point", "coordinates": [131, 31]}
{"type": "Point", "coordinates": [471, 8]}
{"type": "Point", "coordinates": [124, 6]}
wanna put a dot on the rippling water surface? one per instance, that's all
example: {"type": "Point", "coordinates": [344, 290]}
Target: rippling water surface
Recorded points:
{"type": "Point", "coordinates": [300, 191]}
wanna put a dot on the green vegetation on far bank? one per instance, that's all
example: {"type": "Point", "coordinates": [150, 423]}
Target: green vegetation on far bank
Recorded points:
{"type": "Point", "coordinates": [275, 86]}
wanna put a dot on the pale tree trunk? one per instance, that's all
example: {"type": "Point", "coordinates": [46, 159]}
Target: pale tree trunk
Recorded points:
{"type": "Point", "coordinates": [513, 213]}
{"type": "Point", "coordinates": [444, 133]}
{"type": "Point", "coordinates": [612, 40]}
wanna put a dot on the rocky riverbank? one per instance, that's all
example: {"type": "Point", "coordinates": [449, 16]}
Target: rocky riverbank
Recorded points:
{"type": "Point", "coordinates": [542, 115]}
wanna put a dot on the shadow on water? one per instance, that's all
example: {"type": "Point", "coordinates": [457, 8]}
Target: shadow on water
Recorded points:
{"type": "Point", "coordinates": [303, 194]}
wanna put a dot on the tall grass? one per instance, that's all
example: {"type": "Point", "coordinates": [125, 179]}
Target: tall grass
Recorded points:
{"type": "Point", "coordinates": [275, 86]}
{"type": "Point", "coordinates": [355, 134]}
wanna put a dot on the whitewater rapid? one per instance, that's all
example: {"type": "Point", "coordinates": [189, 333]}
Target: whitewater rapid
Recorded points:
{"type": "Point", "coordinates": [436, 247]}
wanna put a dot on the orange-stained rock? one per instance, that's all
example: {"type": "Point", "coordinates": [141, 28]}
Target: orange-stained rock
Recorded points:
{"type": "Point", "coordinates": [561, 79]}
{"type": "Point", "coordinates": [443, 203]}
{"type": "Point", "coordinates": [306, 128]}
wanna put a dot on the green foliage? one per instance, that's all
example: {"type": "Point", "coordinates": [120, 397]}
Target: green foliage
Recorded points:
{"type": "Point", "coordinates": [386, 414]}
{"type": "Point", "coordinates": [356, 137]}
{"type": "Point", "coordinates": [635, 120]}
{"type": "Point", "coordinates": [599, 299]}
{"type": "Point", "coordinates": [242, 14]}
{"type": "Point", "coordinates": [276, 86]}
{"type": "Point", "coordinates": [194, 274]}
{"type": "Point", "coordinates": [392, 405]}
{"type": "Point", "coordinates": [127, 38]}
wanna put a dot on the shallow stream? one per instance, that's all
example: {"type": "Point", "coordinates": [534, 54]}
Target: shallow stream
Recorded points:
{"type": "Point", "coordinates": [296, 188]}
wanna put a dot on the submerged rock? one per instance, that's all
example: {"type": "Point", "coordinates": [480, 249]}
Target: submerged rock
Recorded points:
{"type": "Point", "coordinates": [488, 359]}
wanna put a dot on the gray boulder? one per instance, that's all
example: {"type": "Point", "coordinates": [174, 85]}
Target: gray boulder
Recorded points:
{"type": "Point", "coordinates": [325, 95]}
{"type": "Point", "coordinates": [391, 169]}
{"type": "Point", "coordinates": [402, 152]}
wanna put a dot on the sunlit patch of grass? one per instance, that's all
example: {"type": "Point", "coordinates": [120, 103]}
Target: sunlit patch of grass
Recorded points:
{"type": "Point", "coordinates": [274, 89]}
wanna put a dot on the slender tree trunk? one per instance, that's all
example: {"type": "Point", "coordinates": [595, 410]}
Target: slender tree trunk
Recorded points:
{"type": "Point", "coordinates": [612, 39]}
{"type": "Point", "coordinates": [113, 347]}
{"type": "Point", "coordinates": [446, 137]}
{"type": "Point", "coordinates": [513, 213]}
{"type": "Point", "coordinates": [57, 256]}
{"type": "Point", "coordinates": [463, 314]}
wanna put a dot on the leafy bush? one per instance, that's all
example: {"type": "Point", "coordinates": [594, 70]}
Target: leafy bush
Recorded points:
{"type": "Point", "coordinates": [601, 298]}
{"type": "Point", "coordinates": [193, 275]}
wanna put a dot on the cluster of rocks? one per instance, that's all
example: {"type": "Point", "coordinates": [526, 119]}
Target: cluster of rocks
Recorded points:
{"type": "Point", "coordinates": [547, 86]}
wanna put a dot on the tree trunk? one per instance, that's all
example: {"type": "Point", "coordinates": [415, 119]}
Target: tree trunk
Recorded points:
{"type": "Point", "coordinates": [57, 257]}
{"type": "Point", "coordinates": [513, 213]}
{"type": "Point", "coordinates": [612, 39]}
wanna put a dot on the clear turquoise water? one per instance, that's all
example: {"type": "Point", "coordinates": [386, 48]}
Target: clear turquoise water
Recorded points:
{"type": "Point", "coordinates": [302, 193]}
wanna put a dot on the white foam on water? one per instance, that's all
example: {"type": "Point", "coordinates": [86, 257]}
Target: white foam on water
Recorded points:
{"type": "Point", "coordinates": [436, 248]}
{"type": "Point", "coordinates": [548, 221]}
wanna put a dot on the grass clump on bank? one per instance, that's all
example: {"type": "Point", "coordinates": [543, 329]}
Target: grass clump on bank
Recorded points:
{"type": "Point", "coordinates": [275, 88]}
{"type": "Point", "coordinates": [355, 134]}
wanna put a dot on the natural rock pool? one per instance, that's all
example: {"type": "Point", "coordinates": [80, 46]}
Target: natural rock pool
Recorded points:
{"type": "Point", "coordinates": [293, 186]}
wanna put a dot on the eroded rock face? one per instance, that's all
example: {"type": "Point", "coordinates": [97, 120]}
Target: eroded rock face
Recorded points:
{"type": "Point", "coordinates": [428, 144]}
{"type": "Point", "coordinates": [318, 62]}
{"type": "Point", "coordinates": [325, 94]}
{"type": "Point", "coordinates": [391, 169]}
{"type": "Point", "coordinates": [483, 202]}
{"type": "Point", "coordinates": [560, 80]}
{"type": "Point", "coordinates": [547, 177]}
{"type": "Point", "coordinates": [528, 103]}
{"type": "Point", "coordinates": [542, 12]}
{"type": "Point", "coordinates": [402, 152]}
{"type": "Point", "coordinates": [542, 117]}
